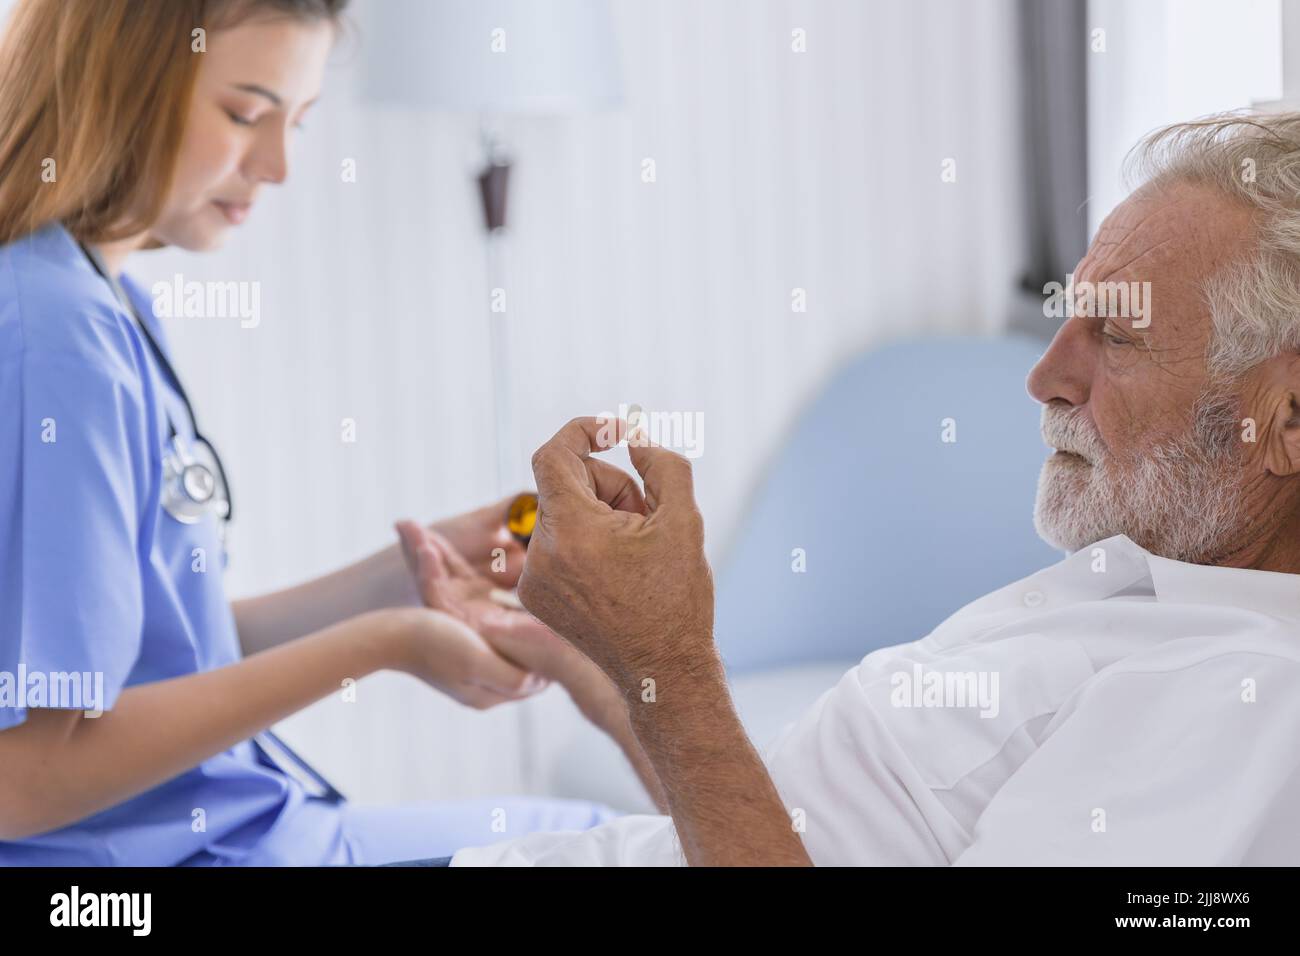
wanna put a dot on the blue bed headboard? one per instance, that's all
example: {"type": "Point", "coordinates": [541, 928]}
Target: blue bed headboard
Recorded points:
{"type": "Point", "coordinates": [899, 528]}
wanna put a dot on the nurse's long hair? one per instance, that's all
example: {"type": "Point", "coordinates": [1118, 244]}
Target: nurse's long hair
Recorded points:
{"type": "Point", "coordinates": [94, 96]}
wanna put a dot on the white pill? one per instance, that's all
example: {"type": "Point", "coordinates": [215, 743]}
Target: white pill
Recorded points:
{"type": "Point", "coordinates": [506, 598]}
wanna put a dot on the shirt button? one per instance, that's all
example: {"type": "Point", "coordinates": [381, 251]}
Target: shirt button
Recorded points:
{"type": "Point", "coordinates": [1034, 598]}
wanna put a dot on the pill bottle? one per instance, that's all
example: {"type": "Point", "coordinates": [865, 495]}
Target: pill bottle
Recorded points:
{"type": "Point", "coordinates": [522, 516]}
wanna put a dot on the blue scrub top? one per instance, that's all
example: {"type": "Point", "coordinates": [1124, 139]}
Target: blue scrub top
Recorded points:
{"type": "Point", "coordinates": [95, 576]}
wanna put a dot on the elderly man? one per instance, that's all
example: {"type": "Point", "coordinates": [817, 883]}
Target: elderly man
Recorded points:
{"type": "Point", "coordinates": [1148, 685]}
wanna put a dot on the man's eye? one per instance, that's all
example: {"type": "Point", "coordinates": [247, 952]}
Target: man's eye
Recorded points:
{"type": "Point", "coordinates": [1114, 339]}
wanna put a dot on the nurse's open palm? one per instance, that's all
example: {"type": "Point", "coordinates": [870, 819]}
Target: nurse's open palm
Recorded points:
{"type": "Point", "coordinates": [482, 539]}
{"type": "Point", "coordinates": [449, 584]}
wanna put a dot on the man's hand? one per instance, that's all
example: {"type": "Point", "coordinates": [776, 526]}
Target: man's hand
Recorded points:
{"type": "Point", "coordinates": [620, 574]}
{"type": "Point", "coordinates": [623, 576]}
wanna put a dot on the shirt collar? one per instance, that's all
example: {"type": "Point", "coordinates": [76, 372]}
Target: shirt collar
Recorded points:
{"type": "Point", "coordinates": [1117, 566]}
{"type": "Point", "coordinates": [1269, 592]}
{"type": "Point", "coordinates": [1178, 582]}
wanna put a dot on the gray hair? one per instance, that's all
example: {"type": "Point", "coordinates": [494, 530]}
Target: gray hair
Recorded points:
{"type": "Point", "coordinates": [1254, 299]}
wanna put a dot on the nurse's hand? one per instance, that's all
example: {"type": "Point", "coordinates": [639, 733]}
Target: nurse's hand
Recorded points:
{"type": "Point", "coordinates": [482, 539]}
{"type": "Point", "coordinates": [447, 654]}
{"type": "Point", "coordinates": [450, 584]}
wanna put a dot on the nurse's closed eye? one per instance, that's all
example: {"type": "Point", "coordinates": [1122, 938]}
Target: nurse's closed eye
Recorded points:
{"type": "Point", "coordinates": [244, 119]}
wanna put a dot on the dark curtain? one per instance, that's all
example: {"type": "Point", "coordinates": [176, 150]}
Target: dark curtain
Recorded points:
{"type": "Point", "coordinates": [1054, 45]}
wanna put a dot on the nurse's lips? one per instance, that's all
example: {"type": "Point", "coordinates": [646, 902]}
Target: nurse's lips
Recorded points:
{"type": "Point", "coordinates": [235, 212]}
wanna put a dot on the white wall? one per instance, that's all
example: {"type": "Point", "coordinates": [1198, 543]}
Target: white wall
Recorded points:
{"type": "Point", "coordinates": [775, 170]}
{"type": "Point", "coordinates": [1166, 61]}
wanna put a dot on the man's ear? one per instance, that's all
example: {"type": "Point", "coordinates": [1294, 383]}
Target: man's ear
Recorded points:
{"type": "Point", "coordinates": [1282, 451]}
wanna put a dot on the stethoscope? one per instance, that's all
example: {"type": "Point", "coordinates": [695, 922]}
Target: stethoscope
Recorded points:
{"type": "Point", "coordinates": [194, 480]}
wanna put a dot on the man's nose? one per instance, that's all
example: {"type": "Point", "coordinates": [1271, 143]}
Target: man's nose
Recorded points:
{"type": "Point", "coordinates": [1065, 371]}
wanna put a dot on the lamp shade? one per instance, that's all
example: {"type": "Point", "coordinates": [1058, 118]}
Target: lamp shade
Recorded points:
{"type": "Point", "coordinates": [495, 57]}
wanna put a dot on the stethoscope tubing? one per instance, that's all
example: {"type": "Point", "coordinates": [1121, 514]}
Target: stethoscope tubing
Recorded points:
{"type": "Point", "coordinates": [175, 379]}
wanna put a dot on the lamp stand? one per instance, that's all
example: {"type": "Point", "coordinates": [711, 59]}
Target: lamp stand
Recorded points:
{"type": "Point", "coordinates": [493, 185]}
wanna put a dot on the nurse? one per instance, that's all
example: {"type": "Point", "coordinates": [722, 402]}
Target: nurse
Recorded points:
{"type": "Point", "coordinates": [134, 698]}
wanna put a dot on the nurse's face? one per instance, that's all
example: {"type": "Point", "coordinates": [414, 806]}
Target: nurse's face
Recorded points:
{"type": "Point", "coordinates": [255, 82]}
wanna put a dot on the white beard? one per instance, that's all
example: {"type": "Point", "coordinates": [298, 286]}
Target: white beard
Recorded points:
{"type": "Point", "coordinates": [1180, 500]}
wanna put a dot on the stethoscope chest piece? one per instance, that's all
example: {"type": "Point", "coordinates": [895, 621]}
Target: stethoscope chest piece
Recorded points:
{"type": "Point", "coordinates": [191, 488]}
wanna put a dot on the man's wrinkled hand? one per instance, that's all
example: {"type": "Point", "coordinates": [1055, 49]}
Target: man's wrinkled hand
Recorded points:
{"type": "Point", "coordinates": [620, 574]}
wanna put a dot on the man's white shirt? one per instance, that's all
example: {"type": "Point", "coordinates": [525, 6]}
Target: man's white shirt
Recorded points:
{"type": "Point", "coordinates": [1115, 708]}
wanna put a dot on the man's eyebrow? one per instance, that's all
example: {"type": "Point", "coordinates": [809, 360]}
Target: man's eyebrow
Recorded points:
{"type": "Point", "coordinates": [260, 91]}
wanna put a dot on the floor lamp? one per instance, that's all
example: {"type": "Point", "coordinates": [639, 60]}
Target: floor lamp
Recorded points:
{"type": "Point", "coordinates": [495, 59]}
